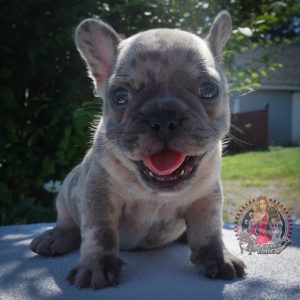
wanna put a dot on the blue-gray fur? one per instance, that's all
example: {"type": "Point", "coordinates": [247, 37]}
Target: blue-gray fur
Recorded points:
{"type": "Point", "coordinates": [105, 200]}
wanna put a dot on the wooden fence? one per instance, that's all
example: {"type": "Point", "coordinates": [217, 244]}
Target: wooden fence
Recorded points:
{"type": "Point", "coordinates": [249, 131]}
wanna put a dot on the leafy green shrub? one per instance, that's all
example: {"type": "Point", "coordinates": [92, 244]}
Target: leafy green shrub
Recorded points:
{"type": "Point", "coordinates": [46, 106]}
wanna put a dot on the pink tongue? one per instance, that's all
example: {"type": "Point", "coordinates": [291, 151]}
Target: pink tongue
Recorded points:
{"type": "Point", "coordinates": [164, 162]}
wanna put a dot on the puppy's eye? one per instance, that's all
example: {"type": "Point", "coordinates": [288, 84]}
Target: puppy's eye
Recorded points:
{"type": "Point", "coordinates": [120, 96]}
{"type": "Point", "coordinates": [208, 90]}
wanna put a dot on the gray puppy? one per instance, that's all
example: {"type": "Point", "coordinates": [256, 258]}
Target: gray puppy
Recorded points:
{"type": "Point", "coordinates": [153, 171]}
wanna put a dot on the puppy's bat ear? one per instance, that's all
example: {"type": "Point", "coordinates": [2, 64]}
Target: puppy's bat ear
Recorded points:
{"type": "Point", "coordinates": [219, 33]}
{"type": "Point", "coordinates": [97, 43]}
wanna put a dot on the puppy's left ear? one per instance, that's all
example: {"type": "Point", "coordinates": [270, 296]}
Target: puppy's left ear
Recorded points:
{"type": "Point", "coordinates": [219, 33]}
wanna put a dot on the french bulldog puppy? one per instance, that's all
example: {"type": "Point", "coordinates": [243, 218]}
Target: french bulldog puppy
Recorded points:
{"type": "Point", "coordinates": [153, 171]}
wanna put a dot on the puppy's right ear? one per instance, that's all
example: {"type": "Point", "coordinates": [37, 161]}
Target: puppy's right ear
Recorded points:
{"type": "Point", "coordinates": [97, 43]}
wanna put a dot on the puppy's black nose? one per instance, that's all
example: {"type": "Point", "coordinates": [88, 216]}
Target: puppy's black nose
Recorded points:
{"type": "Point", "coordinates": [163, 122]}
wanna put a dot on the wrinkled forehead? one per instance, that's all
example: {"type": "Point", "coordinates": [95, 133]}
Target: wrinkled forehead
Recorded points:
{"type": "Point", "coordinates": [162, 54]}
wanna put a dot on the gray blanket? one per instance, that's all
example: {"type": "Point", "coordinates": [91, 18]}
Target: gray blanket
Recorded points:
{"type": "Point", "coordinates": [164, 273]}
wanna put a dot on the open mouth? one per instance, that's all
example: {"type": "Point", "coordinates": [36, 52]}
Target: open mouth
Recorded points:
{"type": "Point", "coordinates": [168, 169]}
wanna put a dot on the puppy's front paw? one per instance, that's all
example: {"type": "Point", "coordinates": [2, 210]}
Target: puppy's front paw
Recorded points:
{"type": "Point", "coordinates": [100, 274]}
{"type": "Point", "coordinates": [56, 241]}
{"type": "Point", "coordinates": [218, 264]}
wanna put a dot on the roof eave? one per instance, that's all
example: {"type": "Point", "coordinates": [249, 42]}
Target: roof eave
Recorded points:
{"type": "Point", "coordinates": [279, 87]}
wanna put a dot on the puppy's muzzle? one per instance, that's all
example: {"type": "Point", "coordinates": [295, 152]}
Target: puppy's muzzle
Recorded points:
{"type": "Point", "coordinates": [163, 123]}
{"type": "Point", "coordinates": [163, 115]}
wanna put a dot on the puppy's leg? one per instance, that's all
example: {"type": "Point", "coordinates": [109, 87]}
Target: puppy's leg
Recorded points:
{"type": "Point", "coordinates": [99, 264]}
{"type": "Point", "coordinates": [204, 231]}
{"type": "Point", "coordinates": [63, 238]}
{"type": "Point", "coordinates": [183, 238]}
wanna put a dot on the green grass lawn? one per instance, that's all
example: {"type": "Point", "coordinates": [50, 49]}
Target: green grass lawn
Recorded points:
{"type": "Point", "coordinates": [274, 173]}
{"type": "Point", "coordinates": [272, 163]}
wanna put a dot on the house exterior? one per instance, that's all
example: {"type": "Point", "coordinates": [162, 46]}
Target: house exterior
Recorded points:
{"type": "Point", "coordinates": [280, 90]}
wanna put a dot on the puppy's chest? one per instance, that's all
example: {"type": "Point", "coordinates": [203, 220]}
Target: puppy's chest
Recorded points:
{"type": "Point", "coordinates": [147, 225]}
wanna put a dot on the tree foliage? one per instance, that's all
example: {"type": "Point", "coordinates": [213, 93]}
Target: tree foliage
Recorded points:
{"type": "Point", "coordinates": [46, 98]}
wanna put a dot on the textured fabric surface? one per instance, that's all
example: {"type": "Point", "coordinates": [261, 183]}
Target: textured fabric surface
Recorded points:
{"type": "Point", "coordinates": [164, 273]}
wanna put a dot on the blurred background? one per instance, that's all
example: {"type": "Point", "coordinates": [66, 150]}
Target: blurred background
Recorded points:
{"type": "Point", "coordinates": [47, 102]}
